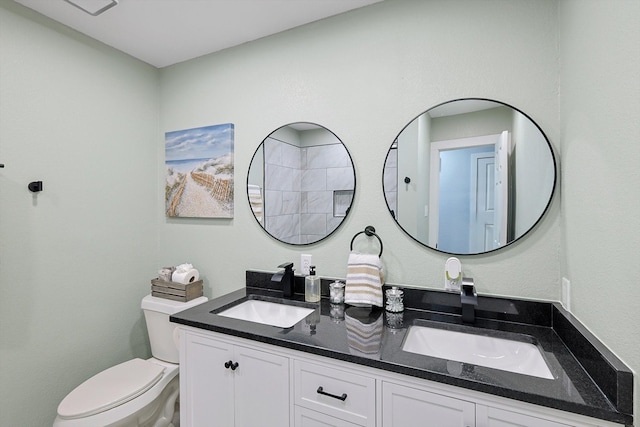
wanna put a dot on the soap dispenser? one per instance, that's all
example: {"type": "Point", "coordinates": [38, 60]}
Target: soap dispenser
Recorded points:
{"type": "Point", "coordinates": [312, 286]}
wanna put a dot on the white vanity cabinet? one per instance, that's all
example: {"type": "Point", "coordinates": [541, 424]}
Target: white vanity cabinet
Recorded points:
{"type": "Point", "coordinates": [411, 407]}
{"type": "Point", "coordinates": [225, 384]}
{"type": "Point", "coordinates": [415, 406]}
{"type": "Point", "coordinates": [273, 386]}
{"type": "Point", "coordinates": [493, 417]}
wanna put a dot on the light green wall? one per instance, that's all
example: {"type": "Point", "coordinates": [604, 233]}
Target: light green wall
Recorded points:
{"type": "Point", "coordinates": [365, 75]}
{"type": "Point", "coordinates": [600, 116]}
{"type": "Point", "coordinates": [534, 178]}
{"type": "Point", "coordinates": [407, 165]}
{"type": "Point", "coordinates": [76, 259]}
{"type": "Point", "coordinates": [478, 123]}
{"type": "Point", "coordinates": [84, 119]}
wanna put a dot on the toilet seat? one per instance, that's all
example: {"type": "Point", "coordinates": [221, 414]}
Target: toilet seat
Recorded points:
{"type": "Point", "coordinates": [110, 388]}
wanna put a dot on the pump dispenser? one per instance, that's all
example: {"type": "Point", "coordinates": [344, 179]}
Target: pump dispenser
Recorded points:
{"type": "Point", "coordinates": [312, 286]}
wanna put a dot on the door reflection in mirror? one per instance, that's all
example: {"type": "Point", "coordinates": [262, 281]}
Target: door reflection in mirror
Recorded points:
{"type": "Point", "coordinates": [466, 174]}
{"type": "Point", "coordinates": [301, 183]}
{"type": "Point", "coordinates": [481, 175]}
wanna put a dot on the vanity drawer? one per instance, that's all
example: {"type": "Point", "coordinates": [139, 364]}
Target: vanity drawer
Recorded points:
{"type": "Point", "coordinates": [341, 394]}
{"type": "Point", "coordinates": [307, 418]}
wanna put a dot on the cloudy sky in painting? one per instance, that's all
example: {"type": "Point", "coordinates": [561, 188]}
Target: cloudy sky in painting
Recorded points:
{"type": "Point", "coordinates": [199, 143]}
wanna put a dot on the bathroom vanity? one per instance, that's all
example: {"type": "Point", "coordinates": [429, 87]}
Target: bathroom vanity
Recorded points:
{"type": "Point", "coordinates": [345, 366]}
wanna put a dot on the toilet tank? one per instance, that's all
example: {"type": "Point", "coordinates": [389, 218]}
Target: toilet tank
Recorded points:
{"type": "Point", "coordinates": [163, 335]}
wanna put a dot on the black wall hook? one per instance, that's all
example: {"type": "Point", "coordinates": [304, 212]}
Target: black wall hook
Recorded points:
{"type": "Point", "coordinates": [35, 186]}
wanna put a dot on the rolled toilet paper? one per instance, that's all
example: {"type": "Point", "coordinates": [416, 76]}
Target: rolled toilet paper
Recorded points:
{"type": "Point", "coordinates": [184, 277]}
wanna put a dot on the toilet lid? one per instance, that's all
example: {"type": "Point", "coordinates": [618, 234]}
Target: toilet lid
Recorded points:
{"type": "Point", "coordinates": [110, 388]}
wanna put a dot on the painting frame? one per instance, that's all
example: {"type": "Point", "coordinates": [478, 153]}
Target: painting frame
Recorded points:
{"type": "Point", "coordinates": [199, 172]}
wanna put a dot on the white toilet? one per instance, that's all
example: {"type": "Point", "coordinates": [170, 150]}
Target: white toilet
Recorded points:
{"type": "Point", "coordinates": [137, 392]}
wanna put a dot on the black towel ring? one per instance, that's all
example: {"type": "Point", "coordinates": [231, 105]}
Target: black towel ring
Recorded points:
{"type": "Point", "coordinates": [369, 231]}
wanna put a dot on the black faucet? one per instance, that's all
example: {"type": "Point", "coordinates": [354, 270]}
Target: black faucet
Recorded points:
{"type": "Point", "coordinates": [286, 279]}
{"type": "Point", "coordinates": [469, 300]}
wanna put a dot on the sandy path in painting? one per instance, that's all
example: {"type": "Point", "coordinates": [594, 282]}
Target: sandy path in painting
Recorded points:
{"type": "Point", "coordinates": [196, 201]}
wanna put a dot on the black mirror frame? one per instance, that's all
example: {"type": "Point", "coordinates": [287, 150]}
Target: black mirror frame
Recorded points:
{"type": "Point", "coordinates": [532, 227]}
{"type": "Point", "coordinates": [353, 167]}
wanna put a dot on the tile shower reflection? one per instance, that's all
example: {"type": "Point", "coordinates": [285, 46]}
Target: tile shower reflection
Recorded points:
{"type": "Point", "coordinates": [306, 177]}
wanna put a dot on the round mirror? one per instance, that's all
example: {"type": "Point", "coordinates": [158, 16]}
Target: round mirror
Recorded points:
{"type": "Point", "coordinates": [469, 176]}
{"type": "Point", "coordinates": [301, 183]}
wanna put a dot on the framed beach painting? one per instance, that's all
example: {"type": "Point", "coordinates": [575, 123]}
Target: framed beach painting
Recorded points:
{"type": "Point", "coordinates": [199, 165]}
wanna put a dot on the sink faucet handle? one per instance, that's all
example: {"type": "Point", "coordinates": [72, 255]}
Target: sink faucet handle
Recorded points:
{"type": "Point", "coordinates": [286, 265]}
{"type": "Point", "coordinates": [286, 279]}
{"type": "Point", "coordinates": [468, 288]}
{"type": "Point", "coordinates": [468, 300]}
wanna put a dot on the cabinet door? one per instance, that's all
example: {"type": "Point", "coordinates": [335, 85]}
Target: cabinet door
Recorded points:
{"type": "Point", "coordinates": [492, 417]}
{"type": "Point", "coordinates": [261, 389]}
{"type": "Point", "coordinates": [308, 418]}
{"type": "Point", "coordinates": [206, 386]}
{"type": "Point", "coordinates": [409, 407]}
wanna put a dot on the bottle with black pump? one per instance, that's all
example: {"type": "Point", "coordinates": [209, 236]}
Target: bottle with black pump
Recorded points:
{"type": "Point", "coordinates": [312, 286]}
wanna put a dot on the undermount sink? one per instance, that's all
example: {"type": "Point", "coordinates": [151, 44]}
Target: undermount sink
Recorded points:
{"type": "Point", "coordinates": [513, 355]}
{"type": "Point", "coordinates": [272, 313]}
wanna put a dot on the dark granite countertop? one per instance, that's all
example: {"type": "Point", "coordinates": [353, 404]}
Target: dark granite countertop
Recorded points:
{"type": "Point", "coordinates": [588, 379]}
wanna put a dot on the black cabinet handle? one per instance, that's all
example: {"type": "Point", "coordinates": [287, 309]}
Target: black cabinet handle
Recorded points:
{"type": "Point", "coordinates": [231, 364]}
{"type": "Point", "coordinates": [343, 397]}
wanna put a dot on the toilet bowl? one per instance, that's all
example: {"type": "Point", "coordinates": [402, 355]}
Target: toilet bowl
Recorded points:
{"type": "Point", "coordinates": [137, 392]}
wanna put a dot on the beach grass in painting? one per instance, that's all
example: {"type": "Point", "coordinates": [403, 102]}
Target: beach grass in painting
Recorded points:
{"type": "Point", "coordinates": [199, 166]}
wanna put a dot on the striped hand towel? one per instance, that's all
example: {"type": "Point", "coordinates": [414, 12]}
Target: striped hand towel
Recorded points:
{"type": "Point", "coordinates": [364, 331]}
{"type": "Point", "coordinates": [364, 280]}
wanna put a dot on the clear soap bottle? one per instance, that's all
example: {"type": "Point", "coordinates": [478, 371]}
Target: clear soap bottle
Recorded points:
{"type": "Point", "coordinates": [312, 286]}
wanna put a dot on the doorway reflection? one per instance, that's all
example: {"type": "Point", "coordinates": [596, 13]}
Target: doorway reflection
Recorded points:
{"type": "Point", "coordinates": [469, 176]}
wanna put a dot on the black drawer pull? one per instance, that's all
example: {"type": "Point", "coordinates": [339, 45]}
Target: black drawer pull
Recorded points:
{"type": "Point", "coordinates": [343, 397]}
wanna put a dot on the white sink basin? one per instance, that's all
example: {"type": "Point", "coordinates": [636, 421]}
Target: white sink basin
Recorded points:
{"type": "Point", "coordinates": [498, 353]}
{"type": "Point", "coordinates": [267, 313]}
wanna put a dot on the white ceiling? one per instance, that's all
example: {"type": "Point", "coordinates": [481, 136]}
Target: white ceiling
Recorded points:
{"type": "Point", "coordinates": [165, 32]}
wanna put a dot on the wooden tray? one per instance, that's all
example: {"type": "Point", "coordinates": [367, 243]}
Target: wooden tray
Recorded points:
{"type": "Point", "coordinates": [176, 291]}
